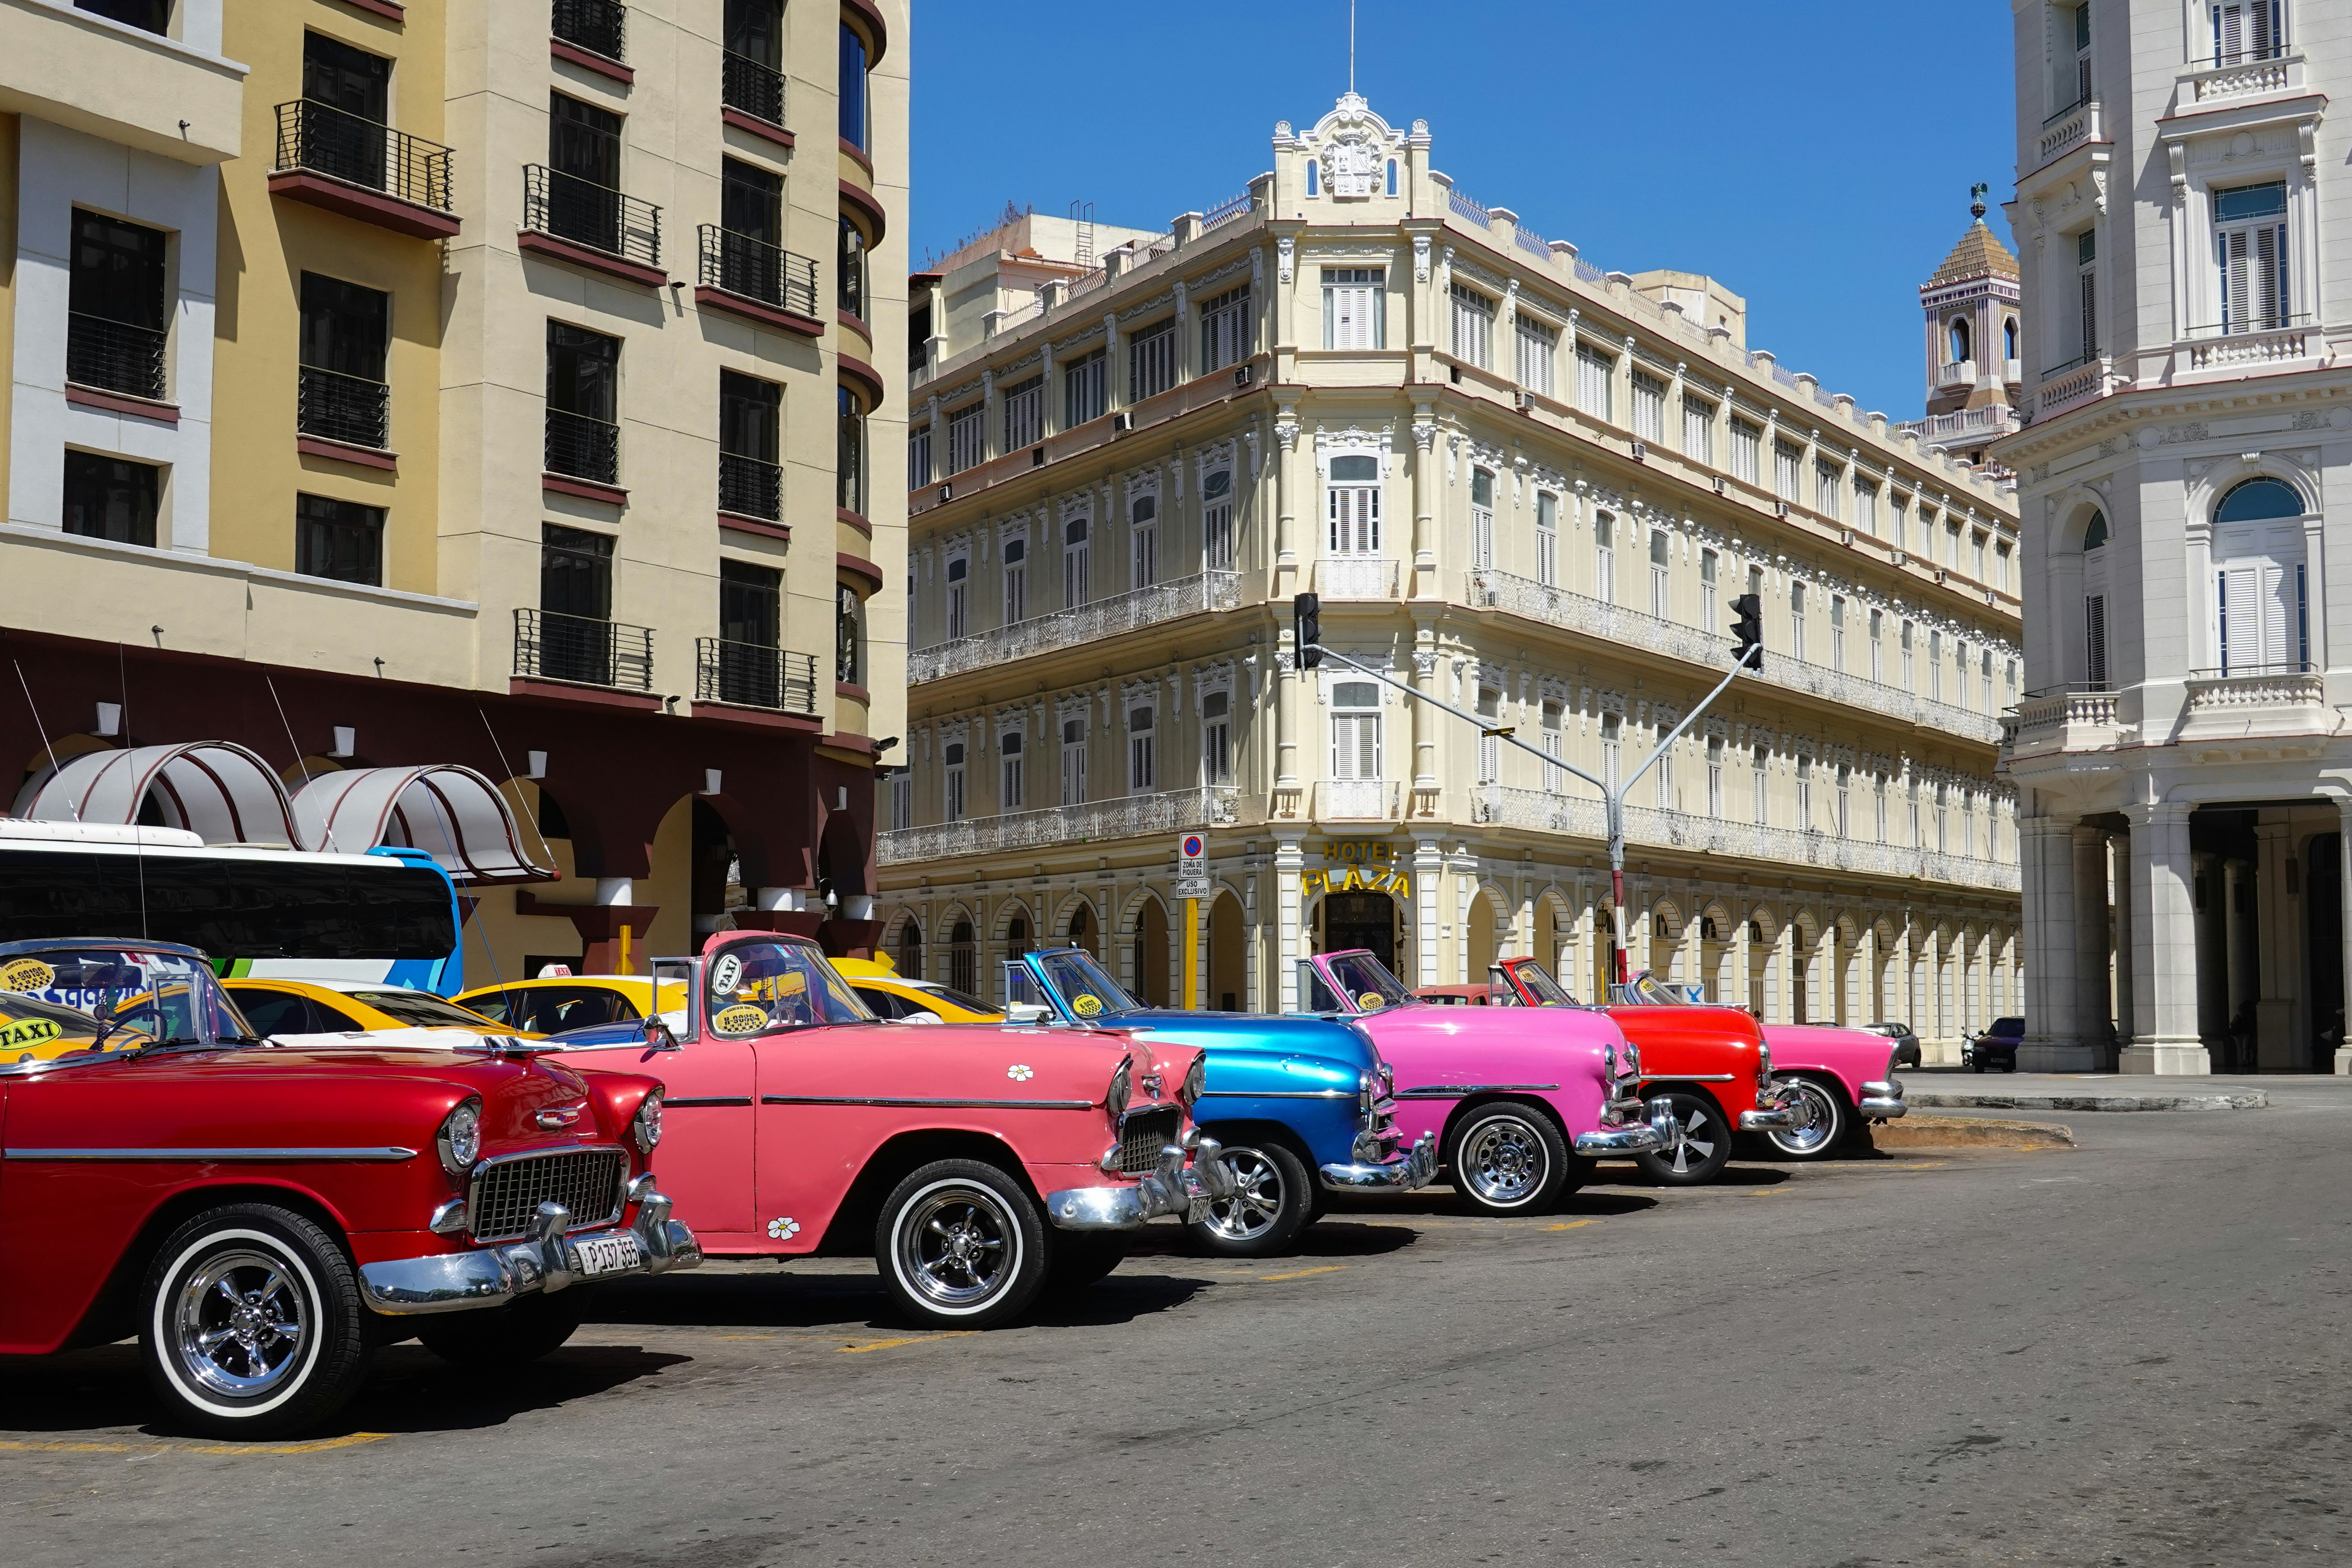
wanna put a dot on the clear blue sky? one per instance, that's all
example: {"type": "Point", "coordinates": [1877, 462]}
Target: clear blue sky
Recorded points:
{"type": "Point", "coordinates": [1815, 156]}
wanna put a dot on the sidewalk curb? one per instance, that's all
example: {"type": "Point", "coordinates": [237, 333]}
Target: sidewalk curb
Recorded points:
{"type": "Point", "coordinates": [2054, 1099]}
{"type": "Point", "coordinates": [1968, 1132]}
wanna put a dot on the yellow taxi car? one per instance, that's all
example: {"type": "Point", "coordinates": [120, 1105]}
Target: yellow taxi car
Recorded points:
{"type": "Point", "coordinates": [555, 1003]}
{"type": "Point", "coordinates": [891, 994]}
{"type": "Point", "coordinates": [276, 1007]}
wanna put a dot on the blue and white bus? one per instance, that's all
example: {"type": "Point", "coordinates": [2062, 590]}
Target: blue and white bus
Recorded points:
{"type": "Point", "coordinates": [388, 916]}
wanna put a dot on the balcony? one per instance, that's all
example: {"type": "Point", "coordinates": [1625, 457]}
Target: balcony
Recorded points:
{"type": "Point", "coordinates": [749, 487]}
{"type": "Point", "coordinates": [120, 83]}
{"type": "Point", "coordinates": [1962, 373]}
{"type": "Point", "coordinates": [758, 281]}
{"type": "Point", "coordinates": [599, 28]}
{"type": "Point", "coordinates": [2070, 720]}
{"type": "Point", "coordinates": [2275, 702]}
{"type": "Point", "coordinates": [1356, 577]}
{"type": "Point", "coordinates": [582, 447]}
{"type": "Point", "coordinates": [1647, 826]}
{"type": "Point", "coordinates": [350, 409]}
{"type": "Point", "coordinates": [1358, 800]}
{"type": "Point", "coordinates": [2242, 346]}
{"type": "Point", "coordinates": [2078, 381]}
{"type": "Point", "coordinates": [114, 356]}
{"type": "Point", "coordinates": [748, 675]}
{"type": "Point", "coordinates": [2248, 73]}
{"type": "Point", "coordinates": [590, 225]}
{"type": "Point", "coordinates": [1493, 590]}
{"type": "Point", "coordinates": [751, 87]}
{"type": "Point", "coordinates": [2070, 128]}
{"type": "Point", "coordinates": [1193, 595]}
{"type": "Point", "coordinates": [1138, 815]}
{"type": "Point", "coordinates": [346, 164]}
{"type": "Point", "coordinates": [583, 650]}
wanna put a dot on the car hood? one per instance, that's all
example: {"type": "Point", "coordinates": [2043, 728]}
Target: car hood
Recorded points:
{"type": "Point", "coordinates": [1857, 1055]}
{"type": "Point", "coordinates": [1235, 1038]}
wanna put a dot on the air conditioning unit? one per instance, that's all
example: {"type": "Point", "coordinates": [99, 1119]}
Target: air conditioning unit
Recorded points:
{"type": "Point", "coordinates": [1845, 536]}
{"type": "Point", "coordinates": [1455, 371]}
{"type": "Point", "coordinates": [1941, 575]}
{"type": "Point", "coordinates": [1121, 421]}
{"type": "Point", "coordinates": [1524, 401]}
{"type": "Point", "coordinates": [1720, 488]}
{"type": "Point", "coordinates": [1779, 509]}
{"type": "Point", "coordinates": [1036, 456]}
{"type": "Point", "coordinates": [1641, 450]}
{"type": "Point", "coordinates": [947, 493]}
{"type": "Point", "coordinates": [1242, 374]}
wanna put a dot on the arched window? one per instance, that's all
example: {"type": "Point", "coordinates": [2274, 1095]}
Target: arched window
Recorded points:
{"type": "Point", "coordinates": [2095, 534]}
{"type": "Point", "coordinates": [1392, 177]}
{"type": "Point", "coordinates": [1958, 337]}
{"type": "Point", "coordinates": [1016, 937]}
{"type": "Point", "coordinates": [910, 949]}
{"type": "Point", "coordinates": [2008, 338]}
{"type": "Point", "coordinates": [963, 964]}
{"type": "Point", "coordinates": [1313, 177]}
{"type": "Point", "coordinates": [2256, 500]}
{"type": "Point", "coordinates": [1082, 928]}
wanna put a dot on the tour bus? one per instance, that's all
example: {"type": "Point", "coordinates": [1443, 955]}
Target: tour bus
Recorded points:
{"type": "Point", "coordinates": [389, 916]}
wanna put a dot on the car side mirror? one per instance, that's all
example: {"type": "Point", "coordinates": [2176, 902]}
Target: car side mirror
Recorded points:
{"type": "Point", "coordinates": [658, 1037]}
{"type": "Point", "coordinates": [1027, 1013]}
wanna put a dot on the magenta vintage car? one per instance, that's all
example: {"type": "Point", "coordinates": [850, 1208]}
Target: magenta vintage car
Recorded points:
{"type": "Point", "coordinates": [1522, 1101]}
{"type": "Point", "coordinates": [1840, 1077]}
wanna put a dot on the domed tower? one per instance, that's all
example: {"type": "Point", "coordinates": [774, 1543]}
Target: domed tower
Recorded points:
{"type": "Point", "coordinates": [1973, 330]}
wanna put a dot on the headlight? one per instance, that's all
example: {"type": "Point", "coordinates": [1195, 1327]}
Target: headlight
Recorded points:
{"type": "Point", "coordinates": [459, 1142]}
{"type": "Point", "coordinates": [1121, 1091]}
{"type": "Point", "coordinates": [646, 1128]}
{"type": "Point", "coordinates": [1196, 1081]}
{"type": "Point", "coordinates": [1764, 1062]}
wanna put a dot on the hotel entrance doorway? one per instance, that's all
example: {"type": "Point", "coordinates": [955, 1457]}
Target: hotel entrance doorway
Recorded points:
{"type": "Point", "coordinates": [1361, 919]}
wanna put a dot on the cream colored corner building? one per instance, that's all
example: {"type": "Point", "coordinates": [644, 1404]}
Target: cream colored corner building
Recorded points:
{"type": "Point", "coordinates": [1522, 485]}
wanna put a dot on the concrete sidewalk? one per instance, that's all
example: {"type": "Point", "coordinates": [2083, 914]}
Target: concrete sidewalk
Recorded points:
{"type": "Point", "coordinates": [1935, 1089]}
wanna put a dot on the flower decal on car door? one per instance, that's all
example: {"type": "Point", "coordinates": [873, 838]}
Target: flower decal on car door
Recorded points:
{"type": "Point", "coordinates": [783, 1229]}
{"type": "Point", "coordinates": [1020, 1074]}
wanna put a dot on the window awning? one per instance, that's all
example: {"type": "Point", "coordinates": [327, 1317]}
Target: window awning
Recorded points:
{"type": "Point", "coordinates": [216, 789]}
{"type": "Point", "coordinates": [451, 812]}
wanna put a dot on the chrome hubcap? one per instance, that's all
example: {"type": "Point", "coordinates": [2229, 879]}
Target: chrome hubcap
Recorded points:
{"type": "Point", "coordinates": [1701, 1130]}
{"type": "Point", "coordinates": [1816, 1120]}
{"type": "Point", "coordinates": [1502, 1162]}
{"type": "Point", "coordinates": [956, 1246]}
{"type": "Point", "coordinates": [1257, 1202]}
{"type": "Point", "coordinates": [239, 1324]}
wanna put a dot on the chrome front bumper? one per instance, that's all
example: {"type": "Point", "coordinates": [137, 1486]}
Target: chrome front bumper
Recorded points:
{"type": "Point", "coordinates": [1776, 1108]}
{"type": "Point", "coordinates": [1171, 1187]}
{"type": "Point", "coordinates": [1400, 1173]}
{"type": "Point", "coordinates": [1662, 1130]}
{"type": "Point", "coordinates": [545, 1260]}
{"type": "Point", "coordinates": [1882, 1101]}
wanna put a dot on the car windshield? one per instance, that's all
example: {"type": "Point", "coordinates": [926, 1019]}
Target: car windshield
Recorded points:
{"type": "Point", "coordinates": [1647, 990]}
{"type": "Point", "coordinates": [62, 1002]}
{"type": "Point", "coordinates": [1547, 992]}
{"type": "Point", "coordinates": [1366, 980]}
{"type": "Point", "coordinates": [422, 1009]}
{"type": "Point", "coordinates": [761, 987]}
{"type": "Point", "coordinates": [1086, 989]}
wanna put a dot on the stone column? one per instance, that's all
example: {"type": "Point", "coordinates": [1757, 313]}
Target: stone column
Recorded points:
{"type": "Point", "coordinates": [2119, 853]}
{"type": "Point", "coordinates": [1874, 1003]}
{"type": "Point", "coordinates": [2046, 870]}
{"type": "Point", "coordinates": [1740, 959]}
{"type": "Point", "coordinates": [2278, 941]}
{"type": "Point", "coordinates": [1428, 862]}
{"type": "Point", "coordinates": [1783, 994]}
{"type": "Point", "coordinates": [2343, 1062]}
{"type": "Point", "coordinates": [1424, 582]}
{"type": "Point", "coordinates": [1289, 861]}
{"type": "Point", "coordinates": [2093, 1002]}
{"type": "Point", "coordinates": [2164, 946]}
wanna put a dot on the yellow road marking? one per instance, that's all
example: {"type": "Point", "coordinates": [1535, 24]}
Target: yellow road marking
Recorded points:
{"type": "Point", "coordinates": [1327, 1269]}
{"type": "Point", "coordinates": [320, 1446]}
{"type": "Point", "coordinates": [911, 1340]}
{"type": "Point", "coordinates": [1571, 1224]}
{"type": "Point", "coordinates": [1771, 1192]}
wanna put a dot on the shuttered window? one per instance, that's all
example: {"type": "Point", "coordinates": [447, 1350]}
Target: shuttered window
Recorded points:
{"type": "Point", "coordinates": [2250, 249]}
{"type": "Point", "coordinates": [1473, 327]}
{"type": "Point", "coordinates": [1224, 329]}
{"type": "Point", "coordinates": [1699, 430]}
{"type": "Point", "coordinates": [965, 433]}
{"type": "Point", "coordinates": [1352, 306]}
{"type": "Point", "coordinates": [1538, 344]}
{"type": "Point", "coordinates": [1152, 361]}
{"type": "Point", "coordinates": [1746, 450]}
{"type": "Point", "coordinates": [1025, 414]}
{"type": "Point", "coordinates": [1596, 376]}
{"type": "Point", "coordinates": [2247, 30]}
{"type": "Point", "coordinates": [2086, 291]}
{"type": "Point", "coordinates": [1649, 408]}
{"type": "Point", "coordinates": [1788, 463]}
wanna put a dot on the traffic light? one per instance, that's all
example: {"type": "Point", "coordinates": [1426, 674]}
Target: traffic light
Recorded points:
{"type": "Point", "coordinates": [1306, 627]}
{"type": "Point", "coordinates": [1748, 631]}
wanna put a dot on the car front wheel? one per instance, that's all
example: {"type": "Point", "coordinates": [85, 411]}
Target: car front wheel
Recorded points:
{"type": "Point", "coordinates": [1271, 1202]}
{"type": "Point", "coordinates": [1701, 1152]}
{"type": "Point", "coordinates": [959, 1245]}
{"type": "Point", "coordinates": [1821, 1124]}
{"type": "Point", "coordinates": [252, 1324]}
{"type": "Point", "coordinates": [1508, 1159]}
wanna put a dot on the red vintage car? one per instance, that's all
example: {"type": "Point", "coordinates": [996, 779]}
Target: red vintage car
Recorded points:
{"type": "Point", "coordinates": [264, 1213]}
{"type": "Point", "coordinates": [1711, 1065]}
{"type": "Point", "coordinates": [975, 1164]}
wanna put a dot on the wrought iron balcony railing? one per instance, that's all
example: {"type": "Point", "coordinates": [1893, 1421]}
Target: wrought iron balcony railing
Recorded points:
{"type": "Point", "coordinates": [749, 675]}
{"type": "Point", "coordinates": [600, 27]}
{"type": "Point", "coordinates": [755, 89]}
{"type": "Point", "coordinates": [1129, 816]}
{"type": "Point", "coordinates": [758, 270]}
{"type": "Point", "coordinates": [1140, 608]}
{"type": "Point", "coordinates": [114, 356]}
{"type": "Point", "coordinates": [583, 448]}
{"type": "Point", "coordinates": [584, 648]}
{"type": "Point", "coordinates": [567, 207]}
{"type": "Point", "coordinates": [349, 408]}
{"type": "Point", "coordinates": [749, 486]}
{"type": "Point", "coordinates": [324, 139]}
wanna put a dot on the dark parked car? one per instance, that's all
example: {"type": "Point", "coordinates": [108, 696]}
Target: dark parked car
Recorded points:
{"type": "Point", "coordinates": [1996, 1047]}
{"type": "Point", "coordinates": [1907, 1044]}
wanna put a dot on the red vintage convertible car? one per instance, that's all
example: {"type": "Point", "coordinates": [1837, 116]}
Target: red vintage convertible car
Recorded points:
{"type": "Point", "coordinates": [1711, 1065]}
{"type": "Point", "coordinates": [264, 1213]}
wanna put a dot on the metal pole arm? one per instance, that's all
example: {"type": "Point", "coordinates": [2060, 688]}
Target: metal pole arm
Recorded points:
{"type": "Point", "coordinates": [1484, 728]}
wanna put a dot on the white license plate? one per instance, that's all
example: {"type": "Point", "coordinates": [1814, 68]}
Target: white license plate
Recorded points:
{"type": "Point", "coordinates": [607, 1255]}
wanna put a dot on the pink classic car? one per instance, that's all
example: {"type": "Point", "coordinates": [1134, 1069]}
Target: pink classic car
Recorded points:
{"type": "Point", "coordinates": [1521, 1101]}
{"type": "Point", "coordinates": [978, 1163]}
{"type": "Point", "coordinates": [1840, 1077]}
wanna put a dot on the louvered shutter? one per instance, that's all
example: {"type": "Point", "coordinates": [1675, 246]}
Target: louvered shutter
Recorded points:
{"type": "Point", "coordinates": [2278, 615]}
{"type": "Point", "coordinates": [2088, 282]}
{"type": "Point", "coordinates": [2242, 619]}
{"type": "Point", "coordinates": [2269, 241]}
{"type": "Point", "coordinates": [2235, 286]}
{"type": "Point", "coordinates": [1353, 327]}
{"type": "Point", "coordinates": [2229, 32]}
{"type": "Point", "coordinates": [2094, 629]}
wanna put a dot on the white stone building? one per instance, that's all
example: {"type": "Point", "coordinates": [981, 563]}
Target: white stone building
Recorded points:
{"type": "Point", "coordinates": [1519, 482]}
{"type": "Point", "coordinates": [2184, 214]}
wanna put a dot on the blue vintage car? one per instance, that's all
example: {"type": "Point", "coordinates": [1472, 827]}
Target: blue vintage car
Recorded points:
{"type": "Point", "coordinates": [1301, 1105]}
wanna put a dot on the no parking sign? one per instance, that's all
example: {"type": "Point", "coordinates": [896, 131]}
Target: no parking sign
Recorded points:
{"type": "Point", "coordinates": [1192, 867]}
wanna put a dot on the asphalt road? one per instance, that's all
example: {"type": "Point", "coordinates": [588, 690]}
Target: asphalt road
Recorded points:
{"type": "Point", "coordinates": [2129, 1352]}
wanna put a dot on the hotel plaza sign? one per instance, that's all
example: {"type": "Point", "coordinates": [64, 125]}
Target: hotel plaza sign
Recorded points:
{"type": "Point", "coordinates": [1363, 864]}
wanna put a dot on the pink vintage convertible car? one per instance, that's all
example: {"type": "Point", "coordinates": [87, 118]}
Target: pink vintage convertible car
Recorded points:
{"type": "Point", "coordinates": [979, 1162]}
{"type": "Point", "coordinates": [1522, 1102]}
{"type": "Point", "coordinates": [1840, 1076]}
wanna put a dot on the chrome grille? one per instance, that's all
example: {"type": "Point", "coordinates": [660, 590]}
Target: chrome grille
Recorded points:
{"type": "Point", "coordinates": [506, 1192]}
{"type": "Point", "coordinates": [1145, 1133]}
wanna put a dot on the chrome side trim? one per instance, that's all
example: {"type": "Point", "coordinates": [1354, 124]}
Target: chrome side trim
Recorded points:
{"type": "Point", "coordinates": [1279, 1094]}
{"type": "Point", "coordinates": [706, 1101]}
{"type": "Point", "coordinates": [1687, 1076]}
{"type": "Point", "coordinates": [389, 1155]}
{"type": "Point", "coordinates": [902, 1102]}
{"type": "Point", "coordinates": [1456, 1090]}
